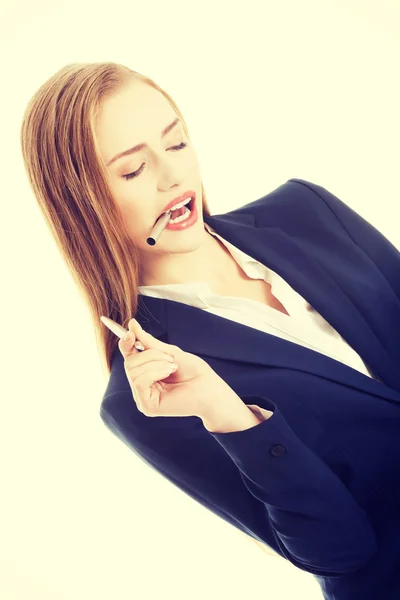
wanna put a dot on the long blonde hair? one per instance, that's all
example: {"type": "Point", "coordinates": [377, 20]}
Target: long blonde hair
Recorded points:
{"type": "Point", "coordinates": [69, 181]}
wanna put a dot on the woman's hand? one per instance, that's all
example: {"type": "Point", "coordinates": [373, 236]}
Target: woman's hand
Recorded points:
{"type": "Point", "coordinates": [194, 389]}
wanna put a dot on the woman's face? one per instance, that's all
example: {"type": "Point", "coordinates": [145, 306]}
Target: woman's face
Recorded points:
{"type": "Point", "coordinates": [138, 114]}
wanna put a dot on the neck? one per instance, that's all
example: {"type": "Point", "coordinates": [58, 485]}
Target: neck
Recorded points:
{"type": "Point", "coordinates": [217, 267]}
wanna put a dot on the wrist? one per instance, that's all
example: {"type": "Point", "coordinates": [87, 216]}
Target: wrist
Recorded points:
{"type": "Point", "coordinates": [245, 420]}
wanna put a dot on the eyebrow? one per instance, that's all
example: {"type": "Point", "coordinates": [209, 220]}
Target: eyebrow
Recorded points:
{"type": "Point", "coordinates": [164, 132]}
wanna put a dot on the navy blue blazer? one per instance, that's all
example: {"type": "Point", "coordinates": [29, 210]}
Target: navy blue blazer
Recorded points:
{"type": "Point", "coordinates": [318, 481]}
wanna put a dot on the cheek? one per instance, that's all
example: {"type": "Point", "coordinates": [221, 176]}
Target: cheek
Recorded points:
{"type": "Point", "coordinates": [136, 214]}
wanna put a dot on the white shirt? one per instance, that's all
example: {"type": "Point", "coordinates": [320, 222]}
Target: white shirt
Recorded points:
{"type": "Point", "coordinates": [302, 326]}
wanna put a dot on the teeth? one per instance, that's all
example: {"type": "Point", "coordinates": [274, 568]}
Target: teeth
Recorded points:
{"type": "Point", "coordinates": [180, 204]}
{"type": "Point", "coordinates": [182, 217]}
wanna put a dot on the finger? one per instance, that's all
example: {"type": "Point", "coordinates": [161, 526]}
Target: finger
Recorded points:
{"type": "Point", "coordinates": [142, 385]}
{"type": "Point", "coordinates": [150, 367]}
{"type": "Point", "coordinates": [147, 339]}
{"type": "Point", "coordinates": [146, 357]}
{"type": "Point", "coordinates": [127, 346]}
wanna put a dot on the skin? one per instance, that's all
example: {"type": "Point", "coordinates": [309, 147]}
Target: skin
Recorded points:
{"type": "Point", "coordinates": [138, 113]}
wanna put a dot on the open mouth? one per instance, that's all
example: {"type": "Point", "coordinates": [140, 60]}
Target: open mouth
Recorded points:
{"type": "Point", "coordinates": [189, 205]}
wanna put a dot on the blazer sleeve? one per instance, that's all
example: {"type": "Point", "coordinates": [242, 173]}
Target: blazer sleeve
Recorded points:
{"type": "Point", "coordinates": [318, 525]}
{"type": "Point", "coordinates": [373, 243]}
{"type": "Point", "coordinates": [264, 481]}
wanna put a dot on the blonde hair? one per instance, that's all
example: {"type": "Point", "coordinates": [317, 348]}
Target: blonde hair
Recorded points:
{"type": "Point", "coordinates": [69, 181]}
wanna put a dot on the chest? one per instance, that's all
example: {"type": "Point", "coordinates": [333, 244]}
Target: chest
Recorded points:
{"type": "Point", "coordinates": [242, 286]}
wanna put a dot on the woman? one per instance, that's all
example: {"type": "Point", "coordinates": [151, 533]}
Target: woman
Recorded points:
{"type": "Point", "coordinates": [292, 301]}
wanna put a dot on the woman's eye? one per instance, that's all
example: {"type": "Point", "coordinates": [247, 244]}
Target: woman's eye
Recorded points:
{"type": "Point", "coordinates": [181, 146]}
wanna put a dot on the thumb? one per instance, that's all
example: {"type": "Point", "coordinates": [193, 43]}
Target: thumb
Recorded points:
{"type": "Point", "coordinates": [138, 334]}
{"type": "Point", "coordinates": [127, 342]}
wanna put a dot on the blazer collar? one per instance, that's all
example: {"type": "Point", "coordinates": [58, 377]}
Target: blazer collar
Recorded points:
{"type": "Point", "coordinates": [214, 337]}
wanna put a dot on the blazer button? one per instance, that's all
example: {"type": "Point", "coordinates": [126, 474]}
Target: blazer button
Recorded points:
{"type": "Point", "coordinates": [277, 450]}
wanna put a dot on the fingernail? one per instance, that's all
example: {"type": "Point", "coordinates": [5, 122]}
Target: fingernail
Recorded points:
{"type": "Point", "coordinates": [127, 336]}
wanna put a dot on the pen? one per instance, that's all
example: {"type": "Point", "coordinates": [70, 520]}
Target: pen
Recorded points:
{"type": "Point", "coordinates": [120, 331]}
{"type": "Point", "coordinates": [159, 228]}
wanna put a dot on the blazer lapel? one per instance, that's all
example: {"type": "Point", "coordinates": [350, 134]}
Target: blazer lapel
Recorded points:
{"type": "Point", "coordinates": [208, 335]}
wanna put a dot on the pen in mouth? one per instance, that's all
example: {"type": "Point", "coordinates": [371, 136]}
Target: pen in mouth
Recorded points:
{"type": "Point", "coordinates": [158, 228]}
{"type": "Point", "coordinates": [189, 206]}
{"type": "Point", "coordinates": [182, 222]}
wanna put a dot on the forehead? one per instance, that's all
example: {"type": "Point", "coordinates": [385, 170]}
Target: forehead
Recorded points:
{"type": "Point", "coordinates": [134, 114]}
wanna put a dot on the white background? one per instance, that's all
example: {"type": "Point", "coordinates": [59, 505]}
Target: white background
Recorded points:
{"type": "Point", "coordinates": [270, 91]}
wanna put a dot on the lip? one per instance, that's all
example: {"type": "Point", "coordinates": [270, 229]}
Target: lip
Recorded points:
{"type": "Point", "coordinates": [188, 194]}
{"type": "Point", "coordinates": [187, 223]}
